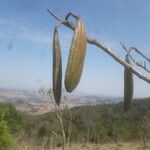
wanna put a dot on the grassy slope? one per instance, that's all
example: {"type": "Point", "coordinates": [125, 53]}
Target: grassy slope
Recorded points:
{"type": "Point", "coordinates": [91, 124]}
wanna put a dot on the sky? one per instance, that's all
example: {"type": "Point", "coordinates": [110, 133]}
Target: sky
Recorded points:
{"type": "Point", "coordinates": [26, 35]}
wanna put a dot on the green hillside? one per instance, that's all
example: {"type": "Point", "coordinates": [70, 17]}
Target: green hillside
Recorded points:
{"type": "Point", "coordinates": [92, 124]}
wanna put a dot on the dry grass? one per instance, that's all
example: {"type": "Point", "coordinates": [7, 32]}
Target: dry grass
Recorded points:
{"type": "Point", "coordinates": [118, 146]}
{"type": "Point", "coordinates": [110, 146]}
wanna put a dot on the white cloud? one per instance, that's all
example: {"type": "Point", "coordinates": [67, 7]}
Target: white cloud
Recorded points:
{"type": "Point", "coordinates": [35, 36]}
{"type": "Point", "coordinates": [10, 29]}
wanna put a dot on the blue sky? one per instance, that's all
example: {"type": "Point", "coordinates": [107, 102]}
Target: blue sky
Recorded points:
{"type": "Point", "coordinates": [26, 32]}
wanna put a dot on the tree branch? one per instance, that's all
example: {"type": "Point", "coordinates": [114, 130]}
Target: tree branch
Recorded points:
{"type": "Point", "coordinates": [106, 49]}
{"type": "Point", "coordinates": [138, 51]}
{"type": "Point", "coordinates": [143, 66]}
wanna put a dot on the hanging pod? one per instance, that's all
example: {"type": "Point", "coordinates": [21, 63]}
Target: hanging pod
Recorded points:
{"type": "Point", "coordinates": [76, 57]}
{"type": "Point", "coordinates": [57, 68]}
{"type": "Point", "coordinates": [128, 85]}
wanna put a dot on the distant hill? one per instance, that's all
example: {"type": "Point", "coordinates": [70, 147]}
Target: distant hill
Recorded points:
{"type": "Point", "coordinates": [35, 103]}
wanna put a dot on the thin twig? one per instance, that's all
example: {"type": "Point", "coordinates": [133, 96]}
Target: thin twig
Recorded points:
{"type": "Point", "coordinates": [124, 47]}
{"type": "Point", "coordinates": [66, 98]}
{"type": "Point", "coordinates": [58, 19]}
{"type": "Point", "coordinates": [65, 22]}
{"type": "Point", "coordinates": [138, 51]}
{"type": "Point", "coordinates": [55, 134]}
{"type": "Point", "coordinates": [143, 66]}
{"type": "Point", "coordinates": [71, 14]}
{"type": "Point", "coordinates": [59, 115]}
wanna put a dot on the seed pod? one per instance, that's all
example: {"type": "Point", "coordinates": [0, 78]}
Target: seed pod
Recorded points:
{"type": "Point", "coordinates": [128, 85]}
{"type": "Point", "coordinates": [57, 68]}
{"type": "Point", "coordinates": [76, 57]}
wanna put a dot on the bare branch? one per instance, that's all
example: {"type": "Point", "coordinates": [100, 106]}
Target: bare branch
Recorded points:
{"type": "Point", "coordinates": [124, 47]}
{"type": "Point", "coordinates": [119, 60]}
{"type": "Point", "coordinates": [65, 22]}
{"type": "Point", "coordinates": [143, 66]}
{"type": "Point", "coordinates": [138, 51]}
{"type": "Point", "coordinates": [106, 49]}
{"type": "Point", "coordinates": [71, 14]}
{"type": "Point", "coordinates": [55, 134]}
{"type": "Point", "coordinates": [59, 115]}
{"type": "Point", "coordinates": [58, 19]}
{"type": "Point", "coordinates": [67, 100]}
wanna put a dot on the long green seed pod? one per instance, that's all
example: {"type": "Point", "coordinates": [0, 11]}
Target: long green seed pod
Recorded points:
{"type": "Point", "coordinates": [57, 68]}
{"type": "Point", "coordinates": [76, 57]}
{"type": "Point", "coordinates": [128, 85]}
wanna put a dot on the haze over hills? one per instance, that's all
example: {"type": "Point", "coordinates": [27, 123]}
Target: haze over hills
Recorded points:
{"type": "Point", "coordinates": [35, 103]}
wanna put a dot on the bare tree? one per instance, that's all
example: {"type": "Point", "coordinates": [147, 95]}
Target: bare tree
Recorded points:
{"type": "Point", "coordinates": [63, 137]}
